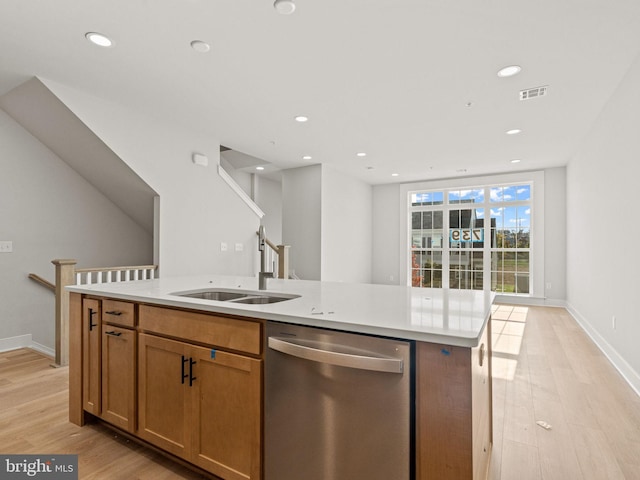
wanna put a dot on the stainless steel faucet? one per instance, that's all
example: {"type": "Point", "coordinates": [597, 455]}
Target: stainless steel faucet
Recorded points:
{"type": "Point", "coordinates": [262, 275]}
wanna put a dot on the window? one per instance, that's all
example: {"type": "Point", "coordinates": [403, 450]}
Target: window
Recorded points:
{"type": "Point", "coordinates": [472, 238]}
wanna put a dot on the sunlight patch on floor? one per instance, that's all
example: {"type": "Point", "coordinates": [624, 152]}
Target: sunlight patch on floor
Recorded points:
{"type": "Point", "coordinates": [507, 325]}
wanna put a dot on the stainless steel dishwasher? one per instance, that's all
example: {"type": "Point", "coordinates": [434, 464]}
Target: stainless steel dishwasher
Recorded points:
{"type": "Point", "coordinates": [338, 406]}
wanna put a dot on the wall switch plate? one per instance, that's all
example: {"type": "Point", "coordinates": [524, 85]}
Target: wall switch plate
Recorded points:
{"type": "Point", "coordinates": [6, 246]}
{"type": "Point", "coordinates": [239, 247]}
{"type": "Point", "coordinates": [224, 247]}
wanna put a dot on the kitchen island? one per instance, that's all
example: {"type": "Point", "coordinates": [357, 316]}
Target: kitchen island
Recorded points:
{"type": "Point", "coordinates": [123, 336]}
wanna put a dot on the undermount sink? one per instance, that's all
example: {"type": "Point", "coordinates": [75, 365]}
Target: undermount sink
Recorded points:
{"type": "Point", "coordinates": [236, 296]}
{"type": "Point", "coordinates": [219, 295]}
{"type": "Point", "coordinates": [262, 299]}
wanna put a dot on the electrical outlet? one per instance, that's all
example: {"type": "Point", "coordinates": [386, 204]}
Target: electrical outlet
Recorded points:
{"type": "Point", "coordinates": [239, 247]}
{"type": "Point", "coordinates": [6, 246]}
{"type": "Point", "coordinates": [548, 285]}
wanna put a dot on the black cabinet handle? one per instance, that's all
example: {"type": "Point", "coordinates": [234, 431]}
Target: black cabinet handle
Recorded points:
{"type": "Point", "coordinates": [184, 360]}
{"type": "Point", "coordinates": [91, 324]}
{"type": "Point", "coordinates": [192, 362]}
{"type": "Point", "coordinates": [114, 333]}
{"type": "Point", "coordinates": [114, 312]}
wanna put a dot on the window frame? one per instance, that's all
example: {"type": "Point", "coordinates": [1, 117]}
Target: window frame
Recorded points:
{"type": "Point", "coordinates": [536, 247]}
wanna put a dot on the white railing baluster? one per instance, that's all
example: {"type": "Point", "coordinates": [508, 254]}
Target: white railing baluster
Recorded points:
{"type": "Point", "coordinates": [89, 276]}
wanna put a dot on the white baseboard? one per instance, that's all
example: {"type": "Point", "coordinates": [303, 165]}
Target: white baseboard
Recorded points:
{"type": "Point", "coordinates": [13, 343]}
{"type": "Point", "coordinates": [25, 341]}
{"type": "Point", "coordinates": [628, 373]}
{"type": "Point", "coordinates": [535, 301]}
{"type": "Point", "coordinates": [49, 352]}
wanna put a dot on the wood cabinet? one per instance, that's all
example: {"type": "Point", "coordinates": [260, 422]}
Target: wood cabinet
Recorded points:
{"type": "Point", "coordinates": [226, 414]}
{"type": "Point", "coordinates": [119, 363]}
{"type": "Point", "coordinates": [203, 404]}
{"type": "Point", "coordinates": [108, 361]}
{"type": "Point", "coordinates": [118, 376]}
{"type": "Point", "coordinates": [453, 410]}
{"type": "Point", "coordinates": [91, 356]}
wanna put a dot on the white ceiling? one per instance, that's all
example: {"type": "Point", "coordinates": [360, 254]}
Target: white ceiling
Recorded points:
{"type": "Point", "coordinates": [391, 78]}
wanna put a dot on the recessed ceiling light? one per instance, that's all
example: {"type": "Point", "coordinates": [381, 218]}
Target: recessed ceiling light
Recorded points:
{"type": "Point", "coordinates": [307, 157]}
{"type": "Point", "coordinates": [259, 168]}
{"type": "Point", "coordinates": [301, 118]}
{"type": "Point", "coordinates": [514, 131]}
{"type": "Point", "coordinates": [200, 46]}
{"type": "Point", "coordinates": [395, 174]}
{"type": "Point", "coordinates": [509, 71]}
{"type": "Point", "coordinates": [361, 154]}
{"type": "Point", "coordinates": [98, 39]}
{"type": "Point", "coordinates": [284, 7]}
{"type": "Point", "coordinates": [516, 160]}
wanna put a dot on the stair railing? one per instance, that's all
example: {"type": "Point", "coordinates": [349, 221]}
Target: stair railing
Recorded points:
{"type": "Point", "coordinates": [67, 274]}
{"type": "Point", "coordinates": [278, 258]}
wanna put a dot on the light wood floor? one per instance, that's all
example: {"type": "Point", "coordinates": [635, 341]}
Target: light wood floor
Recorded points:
{"type": "Point", "coordinates": [545, 368]}
{"type": "Point", "coordinates": [34, 420]}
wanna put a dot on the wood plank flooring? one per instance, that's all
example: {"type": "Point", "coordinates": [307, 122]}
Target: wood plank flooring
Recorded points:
{"type": "Point", "coordinates": [34, 420]}
{"type": "Point", "coordinates": [545, 368]}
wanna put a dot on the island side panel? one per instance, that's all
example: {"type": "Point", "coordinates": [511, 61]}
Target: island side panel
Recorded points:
{"type": "Point", "coordinates": [76, 413]}
{"type": "Point", "coordinates": [481, 357]}
{"type": "Point", "coordinates": [444, 428]}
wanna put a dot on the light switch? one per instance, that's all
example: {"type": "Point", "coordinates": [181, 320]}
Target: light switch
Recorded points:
{"type": "Point", "coordinates": [224, 247]}
{"type": "Point", "coordinates": [6, 246]}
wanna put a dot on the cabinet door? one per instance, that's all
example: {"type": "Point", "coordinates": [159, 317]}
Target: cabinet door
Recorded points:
{"type": "Point", "coordinates": [226, 414]}
{"type": "Point", "coordinates": [118, 376]}
{"type": "Point", "coordinates": [91, 356]}
{"type": "Point", "coordinates": [163, 388]}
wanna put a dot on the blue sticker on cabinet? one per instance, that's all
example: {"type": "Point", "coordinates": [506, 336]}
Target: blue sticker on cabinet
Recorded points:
{"type": "Point", "coordinates": [213, 354]}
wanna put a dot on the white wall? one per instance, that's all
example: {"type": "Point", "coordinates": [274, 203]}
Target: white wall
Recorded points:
{"type": "Point", "coordinates": [386, 235]}
{"type": "Point", "coordinates": [268, 196]}
{"type": "Point", "coordinates": [198, 210]}
{"type": "Point", "coordinates": [555, 234]}
{"type": "Point", "coordinates": [301, 219]}
{"type": "Point", "coordinates": [603, 229]}
{"type": "Point", "coordinates": [50, 212]}
{"type": "Point", "coordinates": [346, 228]}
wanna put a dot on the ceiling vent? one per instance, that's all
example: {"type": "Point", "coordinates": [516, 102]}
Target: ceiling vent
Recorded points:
{"type": "Point", "coordinates": [530, 93]}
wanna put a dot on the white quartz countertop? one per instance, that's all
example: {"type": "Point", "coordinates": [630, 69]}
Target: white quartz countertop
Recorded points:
{"type": "Point", "coordinates": [450, 317]}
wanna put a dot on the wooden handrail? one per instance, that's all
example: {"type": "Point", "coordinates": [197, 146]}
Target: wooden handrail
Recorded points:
{"type": "Point", "coordinates": [282, 253]}
{"type": "Point", "coordinates": [272, 245]}
{"type": "Point", "coordinates": [42, 281]}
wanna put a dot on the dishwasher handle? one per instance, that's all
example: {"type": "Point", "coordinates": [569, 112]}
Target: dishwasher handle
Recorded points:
{"type": "Point", "coordinates": [362, 362]}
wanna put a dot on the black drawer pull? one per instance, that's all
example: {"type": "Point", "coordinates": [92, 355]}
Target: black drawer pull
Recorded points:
{"type": "Point", "coordinates": [91, 324]}
{"type": "Point", "coordinates": [192, 362]}
{"type": "Point", "coordinates": [114, 312]}
{"type": "Point", "coordinates": [184, 375]}
{"type": "Point", "coordinates": [114, 333]}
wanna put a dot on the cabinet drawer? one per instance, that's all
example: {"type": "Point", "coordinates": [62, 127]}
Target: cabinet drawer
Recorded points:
{"type": "Point", "coordinates": [209, 329]}
{"type": "Point", "coordinates": [118, 313]}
